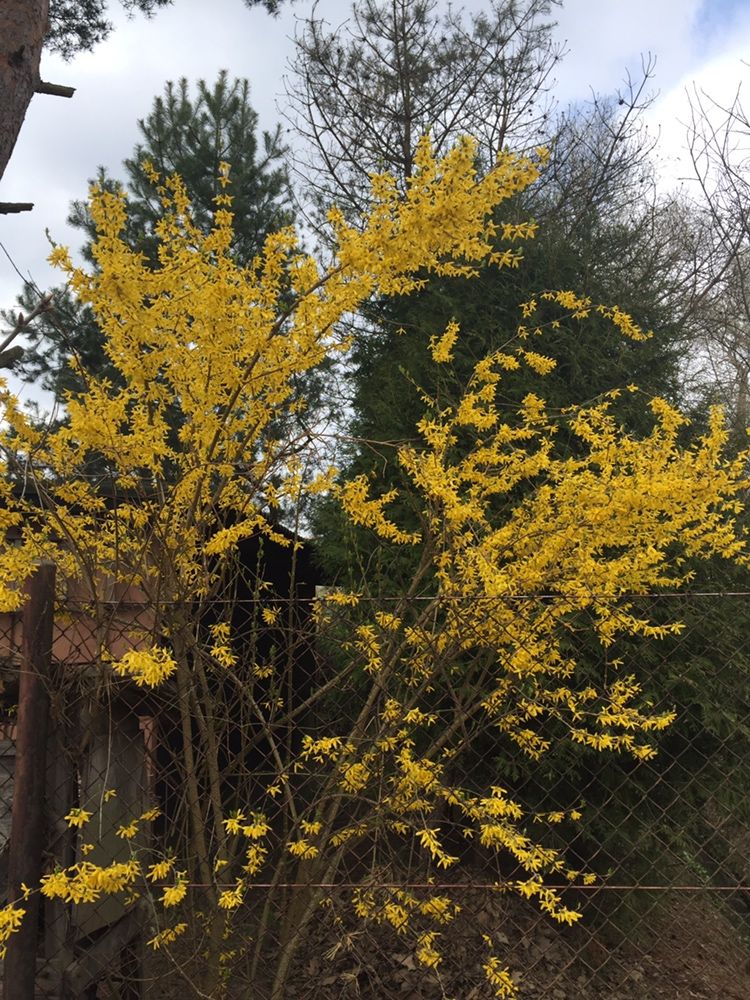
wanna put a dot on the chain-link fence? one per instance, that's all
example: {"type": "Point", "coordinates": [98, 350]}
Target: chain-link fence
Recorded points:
{"type": "Point", "coordinates": [350, 797]}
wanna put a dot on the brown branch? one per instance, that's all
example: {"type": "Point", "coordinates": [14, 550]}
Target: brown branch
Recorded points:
{"type": "Point", "coordinates": [9, 357]}
{"type": "Point", "coordinates": [22, 322]}
{"type": "Point", "coordinates": [8, 207]}
{"type": "Point", "coordinates": [55, 89]}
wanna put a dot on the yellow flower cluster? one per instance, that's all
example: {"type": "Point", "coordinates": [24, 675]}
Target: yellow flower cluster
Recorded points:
{"type": "Point", "coordinates": [10, 921]}
{"type": "Point", "coordinates": [167, 936]}
{"type": "Point", "coordinates": [442, 347]}
{"type": "Point", "coordinates": [369, 513]}
{"type": "Point", "coordinates": [499, 978]}
{"type": "Point", "coordinates": [86, 882]}
{"type": "Point", "coordinates": [174, 894]}
{"type": "Point", "coordinates": [146, 667]}
{"type": "Point", "coordinates": [78, 817]}
{"type": "Point", "coordinates": [255, 828]}
{"type": "Point", "coordinates": [402, 910]}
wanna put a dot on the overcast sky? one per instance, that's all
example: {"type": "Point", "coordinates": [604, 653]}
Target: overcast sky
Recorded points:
{"type": "Point", "coordinates": [63, 141]}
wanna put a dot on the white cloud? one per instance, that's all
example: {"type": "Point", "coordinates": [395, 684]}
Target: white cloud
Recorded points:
{"type": "Point", "coordinates": [605, 39]}
{"type": "Point", "coordinates": [717, 81]}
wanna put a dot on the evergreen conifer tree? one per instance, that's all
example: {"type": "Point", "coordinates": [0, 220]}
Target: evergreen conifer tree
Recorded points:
{"type": "Point", "coordinates": [365, 94]}
{"type": "Point", "coordinates": [185, 134]}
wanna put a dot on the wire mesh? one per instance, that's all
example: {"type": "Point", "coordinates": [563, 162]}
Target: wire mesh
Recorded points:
{"type": "Point", "coordinates": [282, 824]}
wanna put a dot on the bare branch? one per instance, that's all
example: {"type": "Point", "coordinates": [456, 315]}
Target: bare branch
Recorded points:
{"type": "Point", "coordinates": [9, 357]}
{"type": "Point", "coordinates": [55, 89]}
{"type": "Point", "coordinates": [11, 207]}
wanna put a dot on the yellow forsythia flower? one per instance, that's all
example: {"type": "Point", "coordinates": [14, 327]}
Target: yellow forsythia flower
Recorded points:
{"type": "Point", "coordinates": [78, 817]}
{"type": "Point", "coordinates": [175, 894]}
{"type": "Point", "coordinates": [146, 667]}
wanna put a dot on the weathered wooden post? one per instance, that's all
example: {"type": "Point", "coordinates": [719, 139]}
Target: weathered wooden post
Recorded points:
{"type": "Point", "coordinates": [27, 817]}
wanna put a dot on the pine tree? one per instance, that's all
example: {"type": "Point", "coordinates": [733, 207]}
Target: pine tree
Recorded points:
{"type": "Point", "coordinates": [65, 26]}
{"type": "Point", "coordinates": [183, 134]}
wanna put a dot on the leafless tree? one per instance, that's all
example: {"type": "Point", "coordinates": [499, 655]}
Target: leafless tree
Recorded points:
{"type": "Point", "coordinates": [719, 316]}
{"type": "Point", "coordinates": [362, 94]}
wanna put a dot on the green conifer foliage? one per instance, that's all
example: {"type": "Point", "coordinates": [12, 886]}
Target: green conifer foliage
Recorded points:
{"type": "Point", "coordinates": [188, 134]}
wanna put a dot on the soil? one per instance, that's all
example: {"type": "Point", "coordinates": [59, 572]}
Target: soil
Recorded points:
{"type": "Point", "coordinates": [692, 949]}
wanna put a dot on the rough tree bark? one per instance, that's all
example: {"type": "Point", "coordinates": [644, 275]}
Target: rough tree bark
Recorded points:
{"type": "Point", "coordinates": [23, 25]}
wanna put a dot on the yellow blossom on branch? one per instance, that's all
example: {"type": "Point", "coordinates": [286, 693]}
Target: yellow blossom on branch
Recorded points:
{"type": "Point", "coordinates": [11, 917]}
{"type": "Point", "coordinates": [174, 894]}
{"type": "Point", "coordinates": [167, 936]}
{"type": "Point", "coordinates": [78, 817]}
{"type": "Point", "coordinates": [146, 667]}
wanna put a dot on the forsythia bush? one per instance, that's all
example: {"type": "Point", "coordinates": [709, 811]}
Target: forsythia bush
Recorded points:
{"type": "Point", "coordinates": [188, 464]}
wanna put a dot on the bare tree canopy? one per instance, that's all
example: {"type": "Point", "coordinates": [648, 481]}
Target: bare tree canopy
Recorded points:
{"type": "Point", "coordinates": [363, 94]}
{"type": "Point", "coordinates": [719, 145]}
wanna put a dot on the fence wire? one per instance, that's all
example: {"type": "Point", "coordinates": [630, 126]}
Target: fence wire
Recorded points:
{"type": "Point", "coordinates": [330, 799]}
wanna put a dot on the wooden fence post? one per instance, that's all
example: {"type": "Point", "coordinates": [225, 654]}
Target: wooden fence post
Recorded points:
{"type": "Point", "coordinates": [27, 818]}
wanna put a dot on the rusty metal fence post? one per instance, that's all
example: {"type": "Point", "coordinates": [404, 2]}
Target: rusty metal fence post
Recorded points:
{"type": "Point", "coordinates": [27, 818]}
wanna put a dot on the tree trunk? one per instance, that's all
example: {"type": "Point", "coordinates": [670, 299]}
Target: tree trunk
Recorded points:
{"type": "Point", "coordinates": [23, 25]}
